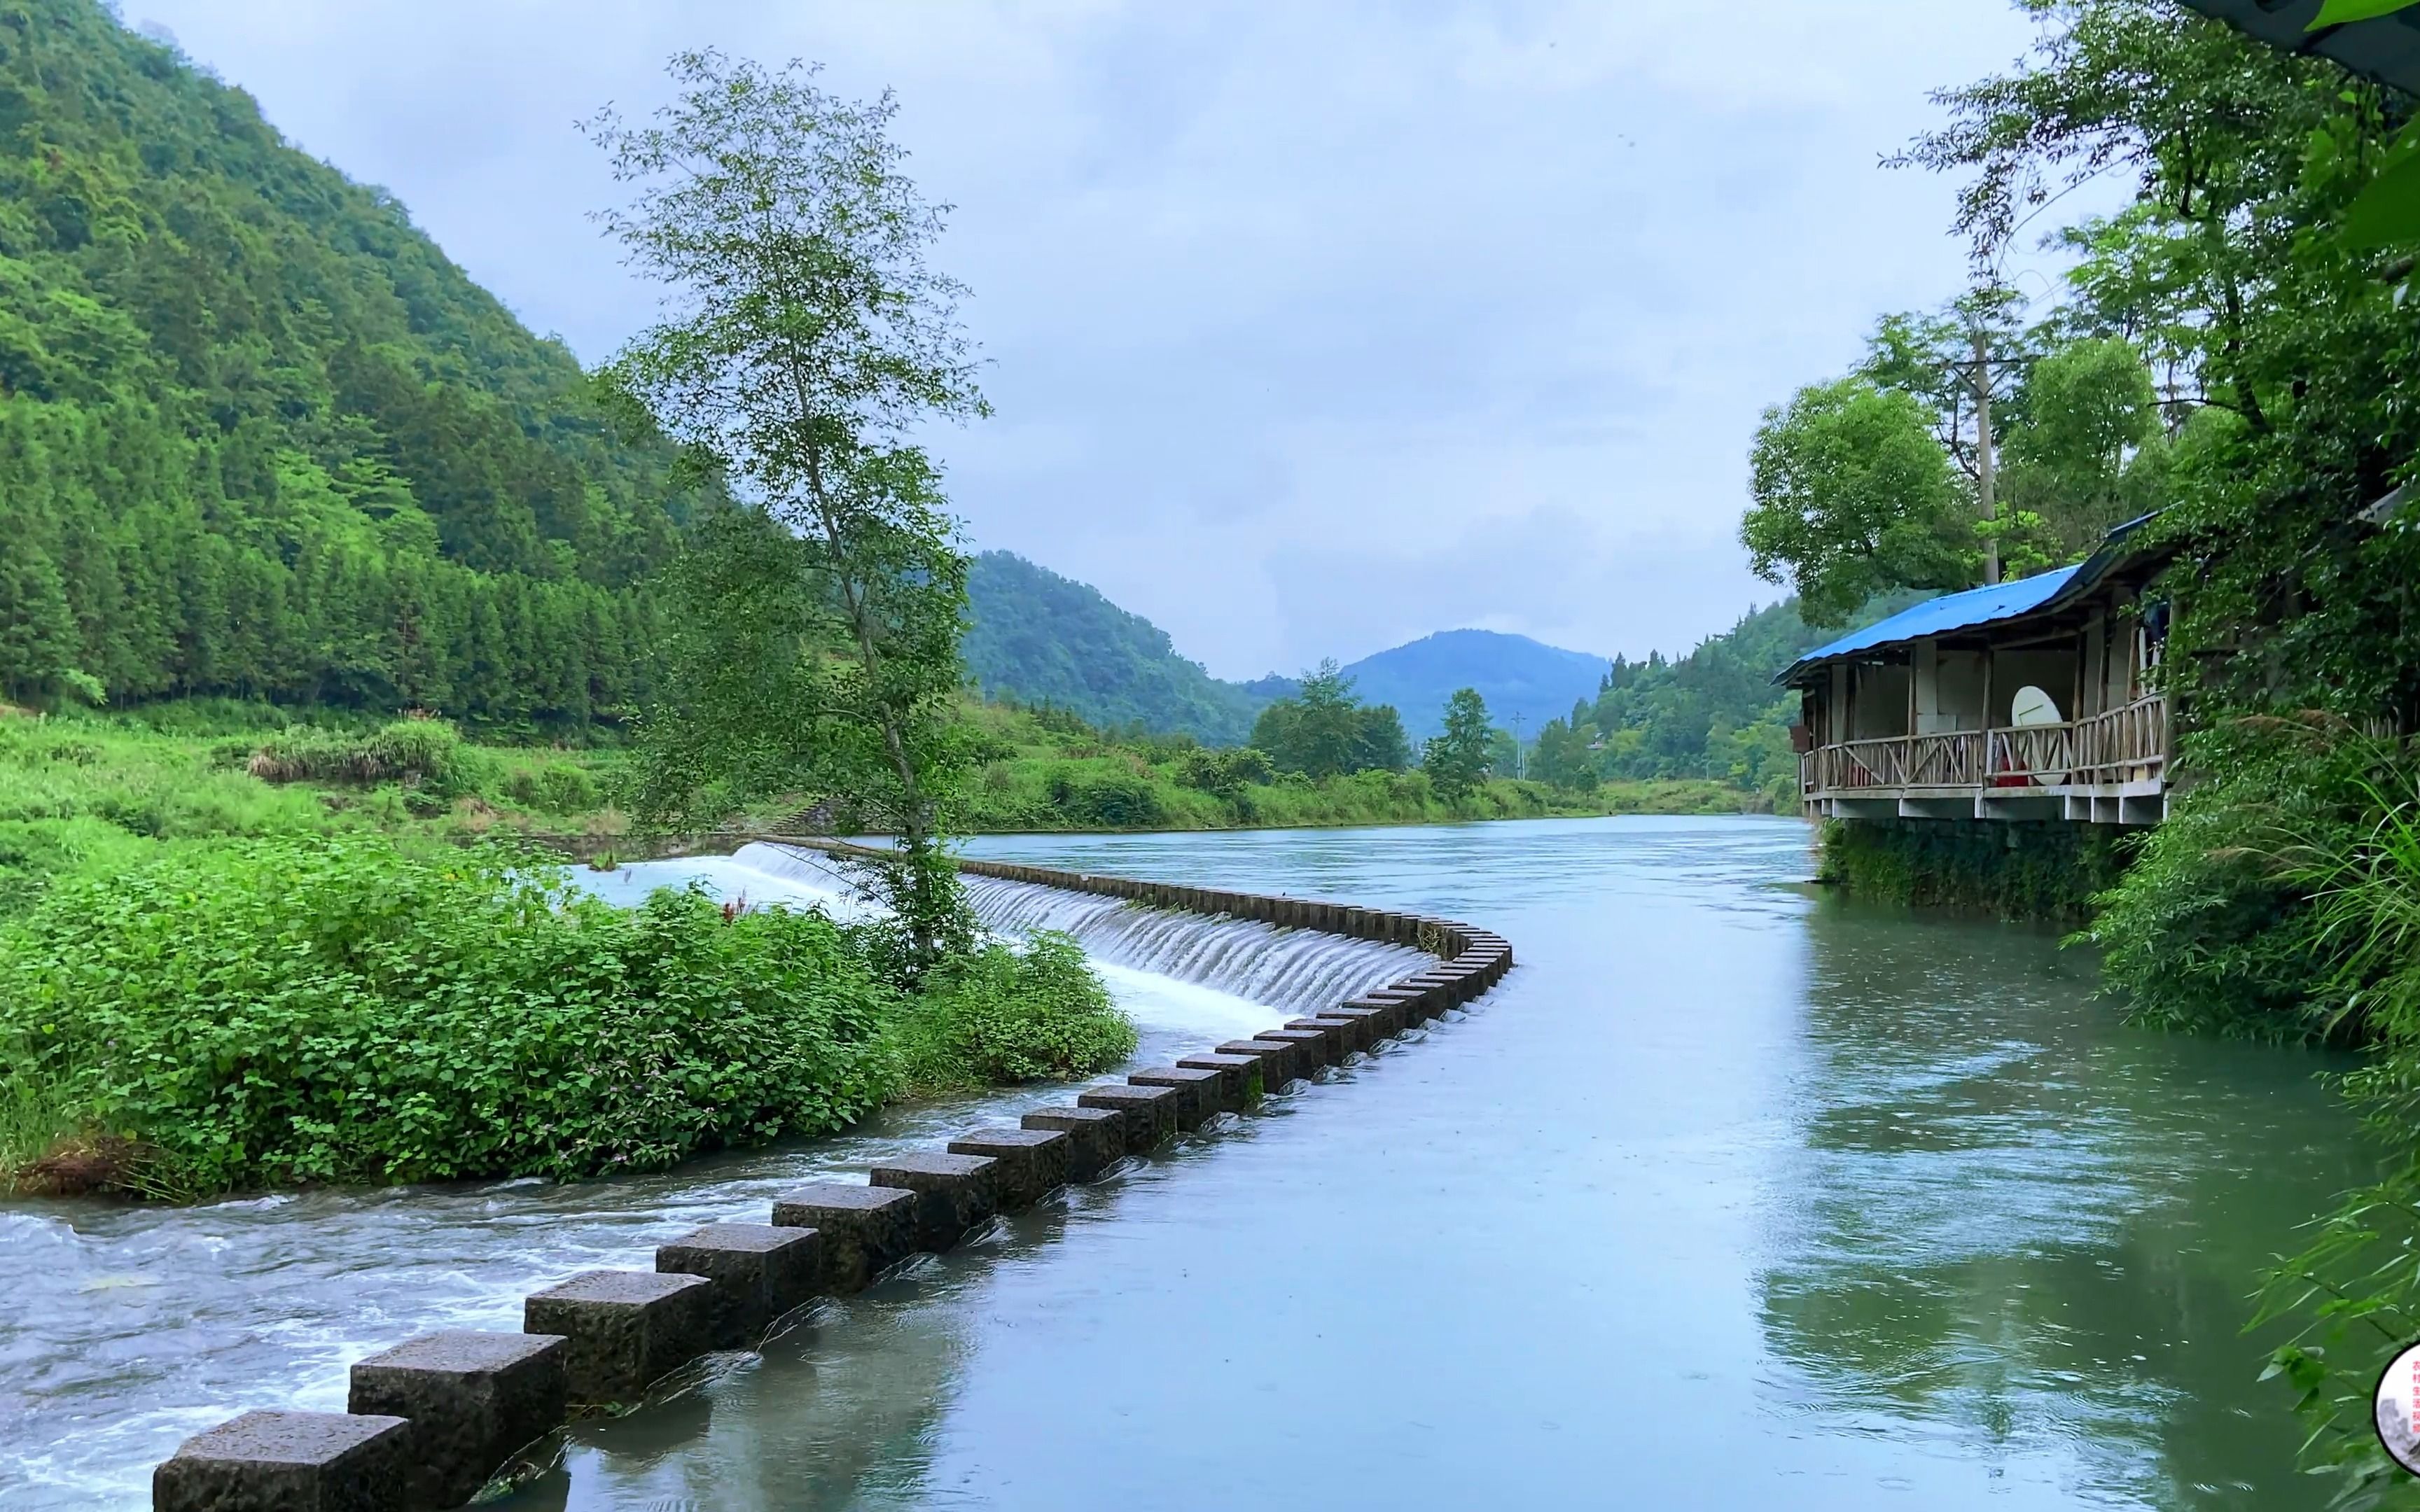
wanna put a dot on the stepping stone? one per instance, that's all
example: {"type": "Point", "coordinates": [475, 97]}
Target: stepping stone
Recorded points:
{"type": "Point", "coordinates": [1379, 1022]}
{"type": "Point", "coordinates": [1339, 1033]}
{"type": "Point", "coordinates": [1198, 1091]}
{"type": "Point", "coordinates": [289, 1462]}
{"type": "Point", "coordinates": [474, 1400]}
{"type": "Point", "coordinates": [1029, 1162]}
{"type": "Point", "coordinates": [1096, 1137]}
{"type": "Point", "coordinates": [626, 1328]}
{"type": "Point", "coordinates": [1239, 1077]}
{"type": "Point", "coordinates": [954, 1193]}
{"type": "Point", "coordinates": [759, 1271]}
{"type": "Point", "coordinates": [865, 1230]}
{"type": "Point", "coordinates": [1277, 1060]}
{"type": "Point", "coordinates": [1311, 1048]}
{"type": "Point", "coordinates": [1150, 1111]}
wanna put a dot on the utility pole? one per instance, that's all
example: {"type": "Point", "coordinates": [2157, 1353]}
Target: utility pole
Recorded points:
{"type": "Point", "coordinates": [1520, 766]}
{"type": "Point", "coordinates": [1983, 453]}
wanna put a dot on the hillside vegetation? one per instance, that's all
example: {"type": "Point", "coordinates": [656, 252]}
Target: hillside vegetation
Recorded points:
{"type": "Point", "coordinates": [1046, 639]}
{"type": "Point", "coordinates": [259, 438]}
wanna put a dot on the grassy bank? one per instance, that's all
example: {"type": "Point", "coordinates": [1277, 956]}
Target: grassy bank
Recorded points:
{"type": "Point", "coordinates": [233, 958]}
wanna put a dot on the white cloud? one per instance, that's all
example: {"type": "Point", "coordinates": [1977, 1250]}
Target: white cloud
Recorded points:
{"type": "Point", "coordinates": [1476, 303]}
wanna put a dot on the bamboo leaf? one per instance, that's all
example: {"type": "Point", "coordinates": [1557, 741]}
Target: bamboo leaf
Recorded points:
{"type": "Point", "coordinates": [2345, 12]}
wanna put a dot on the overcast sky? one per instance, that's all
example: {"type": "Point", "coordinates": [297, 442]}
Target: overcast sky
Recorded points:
{"type": "Point", "coordinates": [1315, 325]}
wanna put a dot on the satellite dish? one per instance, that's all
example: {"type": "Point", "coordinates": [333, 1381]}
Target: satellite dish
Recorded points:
{"type": "Point", "coordinates": [2030, 709]}
{"type": "Point", "coordinates": [2032, 706]}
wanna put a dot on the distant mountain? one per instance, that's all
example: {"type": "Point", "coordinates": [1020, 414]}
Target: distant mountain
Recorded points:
{"type": "Point", "coordinates": [1515, 674]}
{"type": "Point", "coordinates": [1049, 640]}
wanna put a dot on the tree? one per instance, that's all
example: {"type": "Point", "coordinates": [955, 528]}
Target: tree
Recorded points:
{"type": "Point", "coordinates": [1562, 759]}
{"type": "Point", "coordinates": [1457, 761]}
{"type": "Point", "coordinates": [1852, 496]}
{"type": "Point", "coordinates": [1318, 731]}
{"type": "Point", "coordinates": [803, 337]}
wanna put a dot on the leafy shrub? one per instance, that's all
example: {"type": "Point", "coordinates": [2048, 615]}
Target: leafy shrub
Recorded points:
{"type": "Point", "coordinates": [2211, 928]}
{"type": "Point", "coordinates": [558, 788]}
{"type": "Point", "coordinates": [1113, 800]}
{"type": "Point", "coordinates": [1226, 773]}
{"type": "Point", "coordinates": [340, 1010]}
{"type": "Point", "coordinates": [997, 1016]}
{"type": "Point", "coordinates": [426, 754]}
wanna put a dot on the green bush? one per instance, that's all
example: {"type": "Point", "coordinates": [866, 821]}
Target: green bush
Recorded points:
{"type": "Point", "coordinates": [558, 788]}
{"type": "Point", "coordinates": [2211, 928]}
{"type": "Point", "coordinates": [1112, 800]}
{"type": "Point", "coordinates": [426, 754]}
{"type": "Point", "coordinates": [1001, 1016]}
{"type": "Point", "coordinates": [268, 1011]}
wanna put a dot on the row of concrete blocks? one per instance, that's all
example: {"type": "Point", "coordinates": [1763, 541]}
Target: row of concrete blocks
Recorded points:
{"type": "Point", "coordinates": [1420, 931]}
{"type": "Point", "coordinates": [431, 1420]}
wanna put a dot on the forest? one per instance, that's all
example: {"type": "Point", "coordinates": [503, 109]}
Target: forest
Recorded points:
{"type": "Point", "coordinates": [260, 439]}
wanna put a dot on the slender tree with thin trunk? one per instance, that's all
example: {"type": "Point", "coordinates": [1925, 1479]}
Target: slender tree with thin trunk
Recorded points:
{"type": "Point", "coordinates": [803, 338]}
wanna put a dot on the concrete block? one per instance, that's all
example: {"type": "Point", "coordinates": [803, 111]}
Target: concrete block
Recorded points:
{"type": "Point", "coordinates": [1028, 1162]}
{"type": "Point", "coordinates": [759, 1271]}
{"type": "Point", "coordinates": [626, 1328]}
{"type": "Point", "coordinates": [1150, 1111]}
{"type": "Point", "coordinates": [864, 1231]}
{"type": "Point", "coordinates": [1197, 1091]}
{"type": "Point", "coordinates": [1096, 1137]}
{"type": "Point", "coordinates": [1357, 1027]}
{"type": "Point", "coordinates": [1366, 1030]}
{"type": "Point", "coordinates": [954, 1193]}
{"type": "Point", "coordinates": [1344, 1035]}
{"type": "Point", "coordinates": [474, 1400]}
{"type": "Point", "coordinates": [1386, 1015]}
{"type": "Point", "coordinates": [1277, 1060]}
{"type": "Point", "coordinates": [1239, 1077]}
{"type": "Point", "coordinates": [1311, 1047]}
{"type": "Point", "coordinates": [289, 1462]}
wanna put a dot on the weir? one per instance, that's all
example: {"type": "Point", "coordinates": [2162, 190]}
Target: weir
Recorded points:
{"type": "Point", "coordinates": [452, 1408]}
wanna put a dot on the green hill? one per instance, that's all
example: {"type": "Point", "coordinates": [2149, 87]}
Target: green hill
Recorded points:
{"type": "Point", "coordinates": [1043, 639]}
{"type": "Point", "coordinates": [259, 438]}
{"type": "Point", "coordinates": [1515, 674]}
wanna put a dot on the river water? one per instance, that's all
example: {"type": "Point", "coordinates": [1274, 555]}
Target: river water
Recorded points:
{"type": "Point", "coordinates": [1731, 1196]}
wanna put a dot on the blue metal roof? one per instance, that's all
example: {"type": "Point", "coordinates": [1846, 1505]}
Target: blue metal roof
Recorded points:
{"type": "Point", "coordinates": [1952, 611]}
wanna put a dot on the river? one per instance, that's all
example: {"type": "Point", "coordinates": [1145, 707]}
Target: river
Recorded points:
{"type": "Point", "coordinates": [1731, 1196]}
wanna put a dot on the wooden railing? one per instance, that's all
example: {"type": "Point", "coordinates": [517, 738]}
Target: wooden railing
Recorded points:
{"type": "Point", "coordinates": [2124, 744]}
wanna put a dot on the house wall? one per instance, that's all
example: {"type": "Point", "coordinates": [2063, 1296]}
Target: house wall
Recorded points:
{"type": "Point", "coordinates": [2052, 670]}
{"type": "Point", "coordinates": [1948, 688]}
{"type": "Point", "coordinates": [1877, 702]}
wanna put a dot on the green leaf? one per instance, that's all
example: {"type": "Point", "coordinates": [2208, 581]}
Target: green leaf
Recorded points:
{"type": "Point", "coordinates": [2388, 210]}
{"type": "Point", "coordinates": [2344, 12]}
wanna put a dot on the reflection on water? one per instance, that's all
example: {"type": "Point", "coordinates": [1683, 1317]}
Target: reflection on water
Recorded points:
{"type": "Point", "coordinates": [2011, 1219]}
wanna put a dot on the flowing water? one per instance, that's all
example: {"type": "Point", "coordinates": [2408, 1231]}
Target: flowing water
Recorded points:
{"type": "Point", "coordinates": [1731, 1196]}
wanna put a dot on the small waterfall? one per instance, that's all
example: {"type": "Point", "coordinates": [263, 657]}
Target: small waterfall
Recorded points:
{"type": "Point", "coordinates": [1299, 971]}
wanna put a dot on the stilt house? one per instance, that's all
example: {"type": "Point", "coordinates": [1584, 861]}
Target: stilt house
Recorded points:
{"type": "Point", "coordinates": [2036, 698]}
